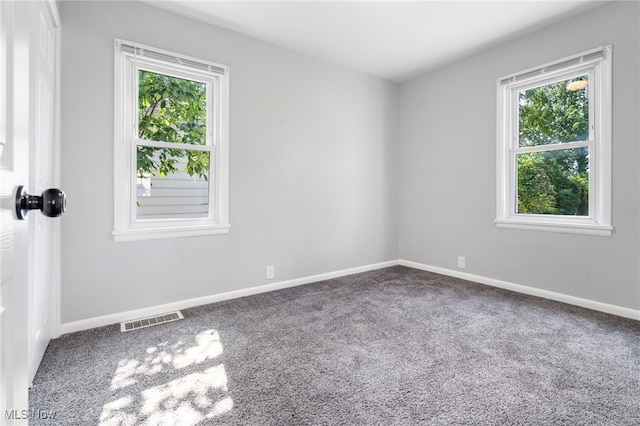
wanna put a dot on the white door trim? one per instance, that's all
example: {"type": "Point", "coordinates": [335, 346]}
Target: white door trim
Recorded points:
{"type": "Point", "coordinates": [56, 278]}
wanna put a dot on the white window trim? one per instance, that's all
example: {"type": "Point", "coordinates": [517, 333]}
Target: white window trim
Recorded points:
{"type": "Point", "coordinates": [126, 227]}
{"type": "Point", "coordinates": [598, 63]}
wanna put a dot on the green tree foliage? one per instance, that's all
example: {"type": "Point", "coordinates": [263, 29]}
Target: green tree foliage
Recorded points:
{"type": "Point", "coordinates": [554, 182]}
{"type": "Point", "coordinates": [171, 109]}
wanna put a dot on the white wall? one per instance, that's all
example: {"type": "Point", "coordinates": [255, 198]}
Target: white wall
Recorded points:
{"type": "Point", "coordinates": [313, 167]}
{"type": "Point", "coordinates": [447, 174]}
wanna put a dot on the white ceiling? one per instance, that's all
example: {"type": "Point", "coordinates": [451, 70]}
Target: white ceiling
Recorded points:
{"type": "Point", "coordinates": [394, 40]}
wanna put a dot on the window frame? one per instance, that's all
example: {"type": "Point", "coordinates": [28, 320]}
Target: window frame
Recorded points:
{"type": "Point", "coordinates": [597, 64]}
{"type": "Point", "coordinates": [129, 59]}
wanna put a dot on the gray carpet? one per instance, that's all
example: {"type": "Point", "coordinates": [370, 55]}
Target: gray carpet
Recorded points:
{"type": "Point", "coordinates": [393, 346]}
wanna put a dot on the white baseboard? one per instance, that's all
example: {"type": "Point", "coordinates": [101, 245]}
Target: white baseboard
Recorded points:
{"type": "Point", "coordinates": [88, 323]}
{"type": "Point", "coordinates": [559, 297]}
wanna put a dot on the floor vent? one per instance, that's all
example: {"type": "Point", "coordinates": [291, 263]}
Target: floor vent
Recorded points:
{"type": "Point", "coordinates": [149, 321]}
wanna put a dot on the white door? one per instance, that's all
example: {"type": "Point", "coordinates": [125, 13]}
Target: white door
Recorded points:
{"type": "Point", "coordinates": [43, 230]}
{"type": "Point", "coordinates": [29, 274]}
{"type": "Point", "coordinates": [14, 234]}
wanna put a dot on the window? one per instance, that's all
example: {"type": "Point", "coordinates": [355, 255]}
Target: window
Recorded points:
{"type": "Point", "coordinates": [171, 144]}
{"type": "Point", "coordinates": [554, 146]}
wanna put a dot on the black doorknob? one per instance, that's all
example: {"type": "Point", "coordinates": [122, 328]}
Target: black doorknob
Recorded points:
{"type": "Point", "coordinates": [52, 202]}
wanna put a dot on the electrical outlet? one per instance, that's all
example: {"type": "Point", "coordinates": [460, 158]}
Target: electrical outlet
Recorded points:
{"type": "Point", "coordinates": [271, 272]}
{"type": "Point", "coordinates": [461, 262]}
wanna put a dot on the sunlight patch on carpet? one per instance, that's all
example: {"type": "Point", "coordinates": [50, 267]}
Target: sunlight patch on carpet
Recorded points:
{"type": "Point", "coordinates": [114, 413]}
{"type": "Point", "coordinates": [207, 347]}
{"type": "Point", "coordinates": [185, 399]}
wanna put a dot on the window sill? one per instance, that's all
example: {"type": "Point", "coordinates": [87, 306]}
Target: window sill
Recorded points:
{"type": "Point", "coordinates": [120, 235]}
{"type": "Point", "coordinates": [559, 227]}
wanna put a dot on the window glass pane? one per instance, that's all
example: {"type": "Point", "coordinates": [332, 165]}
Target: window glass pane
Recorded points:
{"type": "Point", "coordinates": [554, 182]}
{"type": "Point", "coordinates": [171, 109]}
{"type": "Point", "coordinates": [554, 113]}
{"type": "Point", "coordinates": [172, 183]}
